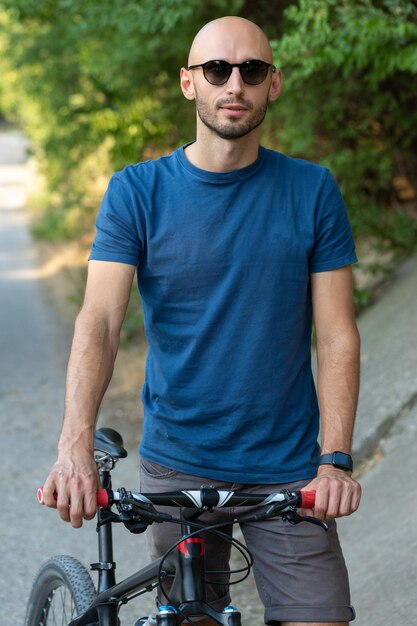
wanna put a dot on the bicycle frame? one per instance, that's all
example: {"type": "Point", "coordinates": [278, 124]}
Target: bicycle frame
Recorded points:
{"type": "Point", "coordinates": [183, 564]}
{"type": "Point", "coordinates": [188, 561]}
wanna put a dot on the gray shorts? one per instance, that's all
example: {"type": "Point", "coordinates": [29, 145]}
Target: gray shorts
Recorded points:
{"type": "Point", "coordinates": [300, 571]}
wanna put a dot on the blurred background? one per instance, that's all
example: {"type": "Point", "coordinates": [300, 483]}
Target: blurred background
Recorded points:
{"type": "Point", "coordinates": [94, 86]}
{"type": "Point", "coordinates": [88, 86]}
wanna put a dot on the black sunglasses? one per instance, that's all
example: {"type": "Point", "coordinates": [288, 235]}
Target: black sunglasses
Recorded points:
{"type": "Point", "coordinates": [253, 72]}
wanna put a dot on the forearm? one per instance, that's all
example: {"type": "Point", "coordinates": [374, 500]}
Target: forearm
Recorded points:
{"type": "Point", "coordinates": [73, 481]}
{"type": "Point", "coordinates": [338, 388]}
{"type": "Point", "coordinates": [90, 369]}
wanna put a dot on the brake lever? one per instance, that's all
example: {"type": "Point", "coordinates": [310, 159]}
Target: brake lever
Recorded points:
{"type": "Point", "coordinates": [276, 508]}
{"type": "Point", "coordinates": [293, 517]}
{"type": "Point", "coordinates": [317, 522]}
{"type": "Point", "coordinates": [107, 517]}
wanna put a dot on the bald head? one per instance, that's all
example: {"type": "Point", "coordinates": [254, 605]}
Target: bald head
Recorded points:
{"type": "Point", "coordinates": [232, 39]}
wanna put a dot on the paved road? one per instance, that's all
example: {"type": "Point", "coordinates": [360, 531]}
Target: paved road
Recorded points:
{"type": "Point", "coordinates": [380, 540]}
{"type": "Point", "coordinates": [33, 351]}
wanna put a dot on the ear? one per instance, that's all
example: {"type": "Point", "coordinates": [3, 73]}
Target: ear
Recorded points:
{"type": "Point", "coordinates": [276, 84]}
{"type": "Point", "coordinates": [187, 85]}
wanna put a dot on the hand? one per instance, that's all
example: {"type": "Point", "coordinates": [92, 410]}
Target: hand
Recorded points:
{"type": "Point", "coordinates": [72, 485]}
{"type": "Point", "coordinates": [337, 494]}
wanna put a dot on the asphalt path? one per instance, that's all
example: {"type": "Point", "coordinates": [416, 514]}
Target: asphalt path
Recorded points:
{"type": "Point", "coordinates": [380, 540]}
{"type": "Point", "coordinates": [34, 346]}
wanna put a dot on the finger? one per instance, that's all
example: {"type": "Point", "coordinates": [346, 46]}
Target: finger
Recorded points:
{"type": "Point", "coordinates": [350, 498]}
{"type": "Point", "coordinates": [304, 512]}
{"type": "Point", "coordinates": [68, 502]}
{"type": "Point", "coordinates": [345, 506]}
{"type": "Point", "coordinates": [63, 503]}
{"type": "Point", "coordinates": [76, 508]}
{"type": "Point", "coordinates": [335, 489]}
{"type": "Point", "coordinates": [90, 501]}
{"type": "Point", "coordinates": [49, 494]}
{"type": "Point", "coordinates": [356, 497]}
{"type": "Point", "coordinates": [322, 499]}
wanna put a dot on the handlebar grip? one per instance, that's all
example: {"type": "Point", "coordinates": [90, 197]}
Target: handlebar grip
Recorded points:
{"type": "Point", "coordinates": [102, 497]}
{"type": "Point", "coordinates": [308, 499]}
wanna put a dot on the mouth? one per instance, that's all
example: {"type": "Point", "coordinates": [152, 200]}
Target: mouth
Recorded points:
{"type": "Point", "coordinates": [234, 110]}
{"type": "Point", "coordinates": [233, 107]}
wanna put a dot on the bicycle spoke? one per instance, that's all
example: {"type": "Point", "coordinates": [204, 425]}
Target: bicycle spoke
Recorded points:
{"type": "Point", "coordinates": [60, 608]}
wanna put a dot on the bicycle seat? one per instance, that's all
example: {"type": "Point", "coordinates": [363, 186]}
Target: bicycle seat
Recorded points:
{"type": "Point", "coordinates": [109, 441]}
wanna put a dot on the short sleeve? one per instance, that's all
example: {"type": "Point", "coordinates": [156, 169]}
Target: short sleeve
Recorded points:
{"type": "Point", "coordinates": [118, 232]}
{"type": "Point", "coordinates": [334, 245]}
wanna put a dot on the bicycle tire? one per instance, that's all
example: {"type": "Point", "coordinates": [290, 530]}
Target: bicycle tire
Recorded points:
{"type": "Point", "coordinates": [62, 590]}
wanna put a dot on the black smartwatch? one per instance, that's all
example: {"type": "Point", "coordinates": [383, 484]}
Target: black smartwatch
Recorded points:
{"type": "Point", "coordinates": [341, 460]}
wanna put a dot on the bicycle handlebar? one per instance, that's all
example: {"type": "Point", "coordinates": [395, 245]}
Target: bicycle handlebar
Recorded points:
{"type": "Point", "coordinates": [204, 497]}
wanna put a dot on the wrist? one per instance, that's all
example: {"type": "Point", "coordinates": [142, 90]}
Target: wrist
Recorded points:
{"type": "Point", "coordinates": [337, 459]}
{"type": "Point", "coordinates": [323, 470]}
{"type": "Point", "coordinates": [76, 439]}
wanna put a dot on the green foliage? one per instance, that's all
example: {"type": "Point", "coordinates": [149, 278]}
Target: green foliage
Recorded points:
{"type": "Point", "coordinates": [133, 322]}
{"type": "Point", "coordinates": [362, 298]}
{"type": "Point", "coordinates": [350, 75]}
{"type": "Point", "coordinates": [95, 86]}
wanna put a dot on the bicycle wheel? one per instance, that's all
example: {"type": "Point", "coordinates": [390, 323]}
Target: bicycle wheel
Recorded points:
{"type": "Point", "coordinates": [62, 590]}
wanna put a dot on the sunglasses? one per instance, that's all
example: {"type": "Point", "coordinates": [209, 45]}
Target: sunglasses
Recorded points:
{"type": "Point", "coordinates": [253, 72]}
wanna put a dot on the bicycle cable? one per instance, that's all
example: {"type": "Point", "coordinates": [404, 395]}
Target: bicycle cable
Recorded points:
{"type": "Point", "coordinates": [244, 551]}
{"type": "Point", "coordinates": [199, 527]}
{"type": "Point", "coordinates": [214, 529]}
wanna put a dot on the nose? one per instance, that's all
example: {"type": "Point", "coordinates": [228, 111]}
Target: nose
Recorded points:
{"type": "Point", "coordinates": [235, 83]}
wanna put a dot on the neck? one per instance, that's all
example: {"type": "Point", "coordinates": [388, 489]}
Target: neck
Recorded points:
{"type": "Point", "coordinates": [214, 154]}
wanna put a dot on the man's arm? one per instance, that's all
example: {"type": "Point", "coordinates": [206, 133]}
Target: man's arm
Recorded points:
{"type": "Point", "coordinates": [338, 347]}
{"type": "Point", "coordinates": [96, 339]}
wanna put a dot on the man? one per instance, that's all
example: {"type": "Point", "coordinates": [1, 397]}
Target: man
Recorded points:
{"type": "Point", "coordinates": [236, 247]}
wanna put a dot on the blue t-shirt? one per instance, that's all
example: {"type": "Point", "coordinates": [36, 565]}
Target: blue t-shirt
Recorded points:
{"type": "Point", "coordinates": [223, 265]}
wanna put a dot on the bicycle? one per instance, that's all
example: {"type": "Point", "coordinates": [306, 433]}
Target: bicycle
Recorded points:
{"type": "Point", "coordinates": [64, 593]}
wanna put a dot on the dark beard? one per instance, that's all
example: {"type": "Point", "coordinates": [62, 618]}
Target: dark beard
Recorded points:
{"type": "Point", "coordinates": [234, 129]}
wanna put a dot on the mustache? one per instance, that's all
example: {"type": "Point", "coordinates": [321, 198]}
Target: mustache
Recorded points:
{"type": "Point", "coordinates": [240, 101]}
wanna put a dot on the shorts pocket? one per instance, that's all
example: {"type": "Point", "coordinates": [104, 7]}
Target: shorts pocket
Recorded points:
{"type": "Point", "coordinates": [156, 470]}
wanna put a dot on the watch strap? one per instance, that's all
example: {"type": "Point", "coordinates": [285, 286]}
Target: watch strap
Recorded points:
{"type": "Point", "coordinates": [338, 459]}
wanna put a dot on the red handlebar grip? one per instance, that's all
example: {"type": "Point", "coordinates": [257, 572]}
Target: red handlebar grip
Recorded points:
{"type": "Point", "coordinates": [102, 497]}
{"type": "Point", "coordinates": [308, 499]}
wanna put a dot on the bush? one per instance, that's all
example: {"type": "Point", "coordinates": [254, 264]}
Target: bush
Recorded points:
{"type": "Point", "coordinates": [95, 85]}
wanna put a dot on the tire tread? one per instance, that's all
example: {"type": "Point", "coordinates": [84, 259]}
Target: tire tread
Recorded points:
{"type": "Point", "coordinates": [72, 573]}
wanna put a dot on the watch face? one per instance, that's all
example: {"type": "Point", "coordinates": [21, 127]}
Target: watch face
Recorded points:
{"type": "Point", "coordinates": [342, 460]}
